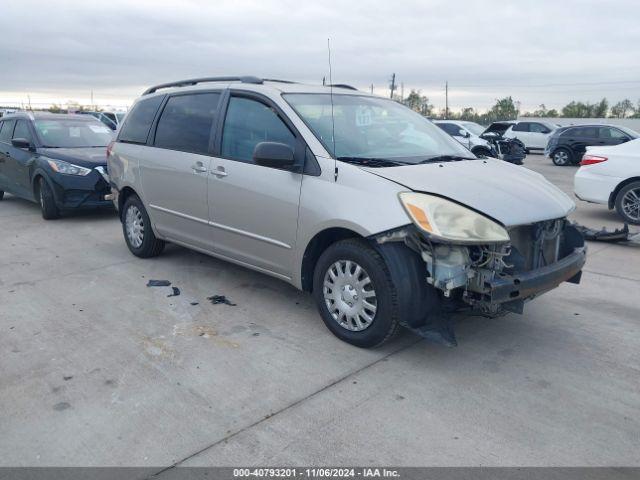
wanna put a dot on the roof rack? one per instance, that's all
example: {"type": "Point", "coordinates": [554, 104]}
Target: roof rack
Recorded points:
{"type": "Point", "coordinates": [195, 81]}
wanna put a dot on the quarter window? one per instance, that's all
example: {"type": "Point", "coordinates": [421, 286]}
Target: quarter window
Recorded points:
{"type": "Point", "coordinates": [609, 132]}
{"type": "Point", "coordinates": [186, 121]}
{"type": "Point", "coordinates": [138, 123]}
{"type": "Point", "coordinates": [521, 127]}
{"type": "Point", "coordinates": [249, 122]}
{"type": "Point", "coordinates": [538, 128]}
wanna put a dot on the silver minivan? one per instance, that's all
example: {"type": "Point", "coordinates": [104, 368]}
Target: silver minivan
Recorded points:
{"type": "Point", "coordinates": [382, 216]}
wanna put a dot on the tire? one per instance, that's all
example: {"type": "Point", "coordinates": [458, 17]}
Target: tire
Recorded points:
{"type": "Point", "coordinates": [47, 201]}
{"type": "Point", "coordinates": [343, 259]}
{"type": "Point", "coordinates": [137, 231]}
{"type": "Point", "coordinates": [1, 194]}
{"type": "Point", "coordinates": [562, 157]}
{"type": "Point", "coordinates": [628, 203]}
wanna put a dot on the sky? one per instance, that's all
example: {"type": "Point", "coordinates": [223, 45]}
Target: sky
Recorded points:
{"type": "Point", "coordinates": [543, 51]}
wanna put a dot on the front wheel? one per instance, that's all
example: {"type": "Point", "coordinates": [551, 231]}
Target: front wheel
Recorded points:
{"type": "Point", "coordinates": [628, 203]}
{"type": "Point", "coordinates": [46, 200]}
{"type": "Point", "coordinates": [1, 194]}
{"type": "Point", "coordinates": [355, 295]}
{"type": "Point", "coordinates": [562, 157]}
{"type": "Point", "coordinates": [136, 227]}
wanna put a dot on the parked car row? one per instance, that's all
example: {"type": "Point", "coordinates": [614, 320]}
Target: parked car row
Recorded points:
{"type": "Point", "coordinates": [384, 218]}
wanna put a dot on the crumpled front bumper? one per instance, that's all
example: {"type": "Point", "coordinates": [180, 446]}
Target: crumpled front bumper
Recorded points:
{"type": "Point", "coordinates": [522, 285]}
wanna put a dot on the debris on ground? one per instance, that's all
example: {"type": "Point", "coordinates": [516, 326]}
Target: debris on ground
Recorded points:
{"type": "Point", "coordinates": [617, 235]}
{"type": "Point", "coordinates": [158, 283]}
{"type": "Point", "coordinates": [218, 299]}
{"type": "Point", "coordinates": [194, 303]}
{"type": "Point", "coordinates": [175, 293]}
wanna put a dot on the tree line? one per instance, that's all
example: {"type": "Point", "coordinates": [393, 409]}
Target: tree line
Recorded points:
{"type": "Point", "coordinates": [506, 109]}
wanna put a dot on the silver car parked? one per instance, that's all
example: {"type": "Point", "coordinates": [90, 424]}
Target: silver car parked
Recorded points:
{"type": "Point", "coordinates": [382, 216]}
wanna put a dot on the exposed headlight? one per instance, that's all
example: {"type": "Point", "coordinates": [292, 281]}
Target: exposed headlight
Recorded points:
{"type": "Point", "coordinates": [68, 168]}
{"type": "Point", "coordinates": [446, 220]}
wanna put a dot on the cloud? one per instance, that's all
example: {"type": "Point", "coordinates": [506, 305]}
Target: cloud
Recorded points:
{"type": "Point", "coordinates": [537, 51]}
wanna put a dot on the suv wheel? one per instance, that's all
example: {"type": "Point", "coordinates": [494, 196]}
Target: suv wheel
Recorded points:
{"type": "Point", "coordinates": [628, 203]}
{"type": "Point", "coordinates": [46, 200]}
{"type": "Point", "coordinates": [1, 194]}
{"type": "Point", "coordinates": [562, 157]}
{"type": "Point", "coordinates": [136, 227]}
{"type": "Point", "coordinates": [355, 295]}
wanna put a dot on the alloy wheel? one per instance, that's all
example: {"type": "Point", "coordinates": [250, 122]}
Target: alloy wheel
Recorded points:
{"type": "Point", "coordinates": [561, 157]}
{"type": "Point", "coordinates": [631, 204]}
{"type": "Point", "coordinates": [134, 224]}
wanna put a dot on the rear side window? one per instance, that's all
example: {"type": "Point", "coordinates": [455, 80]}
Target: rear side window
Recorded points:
{"type": "Point", "coordinates": [138, 123]}
{"type": "Point", "coordinates": [186, 121]}
{"type": "Point", "coordinates": [609, 132]}
{"type": "Point", "coordinates": [249, 122]}
{"type": "Point", "coordinates": [539, 128]}
{"type": "Point", "coordinates": [521, 127]}
{"type": "Point", "coordinates": [583, 132]}
{"type": "Point", "coordinates": [7, 131]}
{"type": "Point", "coordinates": [450, 128]}
{"type": "Point", "coordinates": [22, 131]}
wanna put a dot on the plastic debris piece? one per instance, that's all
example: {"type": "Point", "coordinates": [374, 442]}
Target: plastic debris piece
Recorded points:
{"type": "Point", "coordinates": [176, 292]}
{"type": "Point", "coordinates": [158, 283]}
{"type": "Point", "coordinates": [618, 235]}
{"type": "Point", "coordinates": [218, 299]}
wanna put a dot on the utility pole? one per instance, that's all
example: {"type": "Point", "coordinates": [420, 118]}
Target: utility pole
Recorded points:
{"type": "Point", "coordinates": [372, 89]}
{"type": "Point", "coordinates": [324, 81]}
{"type": "Point", "coordinates": [29, 98]}
{"type": "Point", "coordinates": [92, 106]}
{"type": "Point", "coordinates": [393, 85]}
{"type": "Point", "coordinates": [446, 100]}
{"type": "Point", "coordinates": [402, 92]}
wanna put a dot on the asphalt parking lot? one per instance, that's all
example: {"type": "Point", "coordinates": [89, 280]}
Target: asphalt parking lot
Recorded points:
{"type": "Point", "coordinates": [98, 369]}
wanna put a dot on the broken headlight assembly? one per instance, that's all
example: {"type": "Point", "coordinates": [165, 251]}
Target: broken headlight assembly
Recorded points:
{"type": "Point", "coordinates": [68, 168]}
{"type": "Point", "coordinates": [450, 222]}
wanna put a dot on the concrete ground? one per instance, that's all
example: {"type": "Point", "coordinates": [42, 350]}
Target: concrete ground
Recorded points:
{"type": "Point", "coordinates": [98, 369]}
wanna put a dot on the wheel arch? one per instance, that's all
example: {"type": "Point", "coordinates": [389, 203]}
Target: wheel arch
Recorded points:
{"type": "Point", "coordinates": [123, 194]}
{"type": "Point", "coordinates": [620, 186]}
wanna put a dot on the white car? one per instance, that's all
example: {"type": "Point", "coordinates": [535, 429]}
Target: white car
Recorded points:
{"type": "Point", "coordinates": [468, 134]}
{"type": "Point", "coordinates": [611, 176]}
{"type": "Point", "coordinates": [534, 135]}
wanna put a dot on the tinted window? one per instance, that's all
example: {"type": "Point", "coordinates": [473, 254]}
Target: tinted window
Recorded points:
{"type": "Point", "coordinates": [521, 127]}
{"type": "Point", "coordinates": [450, 128]}
{"type": "Point", "coordinates": [583, 132]}
{"type": "Point", "coordinates": [22, 131]}
{"type": "Point", "coordinates": [136, 127]}
{"type": "Point", "coordinates": [249, 122]}
{"type": "Point", "coordinates": [7, 130]}
{"type": "Point", "coordinates": [613, 133]}
{"type": "Point", "coordinates": [186, 121]}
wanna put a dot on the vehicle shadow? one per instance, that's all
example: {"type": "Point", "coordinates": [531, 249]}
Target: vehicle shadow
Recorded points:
{"type": "Point", "coordinates": [82, 215]}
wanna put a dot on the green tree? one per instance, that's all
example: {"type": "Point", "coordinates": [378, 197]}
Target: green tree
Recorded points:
{"type": "Point", "coordinates": [600, 109]}
{"type": "Point", "coordinates": [418, 102]}
{"type": "Point", "coordinates": [622, 109]}
{"type": "Point", "coordinates": [504, 109]}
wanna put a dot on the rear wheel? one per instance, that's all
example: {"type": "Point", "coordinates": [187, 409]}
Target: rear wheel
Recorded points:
{"type": "Point", "coordinates": [562, 157]}
{"type": "Point", "coordinates": [355, 295]}
{"type": "Point", "coordinates": [1, 194]}
{"type": "Point", "coordinates": [136, 227]}
{"type": "Point", "coordinates": [47, 200]}
{"type": "Point", "coordinates": [628, 203]}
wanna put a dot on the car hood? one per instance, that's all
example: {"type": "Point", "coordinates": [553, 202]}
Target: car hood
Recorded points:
{"type": "Point", "coordinates": [89, 157]}
{"type": "Point", "coordinates": [510, 194]}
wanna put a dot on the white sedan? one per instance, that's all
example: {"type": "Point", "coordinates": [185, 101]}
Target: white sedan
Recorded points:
{"type": "Point", "coordinates": [611, 176]}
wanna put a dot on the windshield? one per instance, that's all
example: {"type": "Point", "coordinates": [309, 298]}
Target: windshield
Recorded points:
{"type": "Point", "coordinates": [120, 117]}
{"type": "Point", "coordinates": [473, 127]}
{"type": "Point", "coordinates": [73, 133]}
{"type": "Point", "coordinates": [373, 128]}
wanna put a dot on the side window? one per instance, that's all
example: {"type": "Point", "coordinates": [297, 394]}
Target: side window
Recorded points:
{"type": "Point", "coordinates": [538, 128]}
{"type": "Point", "coordinates": [585, 132]}
{"type": "Point", "coordinates": [249, 122]}
{"type": "Point", "coordinates": [609, 132]}
{"type": "Point", "coordinates": [22, 131]}
{"type": "Point", "coordinates": [186, 121]}
{"type": "Point", "coordinates": [138, 123]}
{"type": "Point", "coordinates": [6, 134]}
{"type": "Point", "coordinates": [450, 128]}
{"type": "Point", "coordinates": [521, 127]}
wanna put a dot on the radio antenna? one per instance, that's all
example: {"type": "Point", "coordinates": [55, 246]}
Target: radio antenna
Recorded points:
{"type": "Point", "coordinates": [333, 121]}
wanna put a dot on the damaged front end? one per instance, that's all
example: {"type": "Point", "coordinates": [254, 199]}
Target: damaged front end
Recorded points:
{"type": "Point", "coordinates": [493, 279]}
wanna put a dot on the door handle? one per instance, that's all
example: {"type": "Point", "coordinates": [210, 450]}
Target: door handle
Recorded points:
{"type": "Point", "coordinates": [219, 172]}
{"type": "Point", "coordinates": [198, 167]}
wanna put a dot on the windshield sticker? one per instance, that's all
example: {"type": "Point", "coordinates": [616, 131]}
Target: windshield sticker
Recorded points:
{"type": "Point", "coordinates": [99, 129]}
{"type": "Point", "coordinates": [363, 117]}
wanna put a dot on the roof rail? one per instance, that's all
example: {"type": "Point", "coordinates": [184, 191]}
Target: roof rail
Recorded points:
{"type": "Point", "coordinates": [341, 85]}
{"type": "Point", "coordinates": [195, 81]}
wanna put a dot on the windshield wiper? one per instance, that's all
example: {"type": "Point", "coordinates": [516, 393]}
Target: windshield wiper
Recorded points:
{"type": "Point", "coordinates": [372, 162]}
{"type": "Point", "coordinates": [446, 158]}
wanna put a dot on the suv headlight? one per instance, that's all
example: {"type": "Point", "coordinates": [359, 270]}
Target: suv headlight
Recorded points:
{"type": "Point", "coordinates": [449, 221]}
{"type": "Point", "coordinates": [68, 168]}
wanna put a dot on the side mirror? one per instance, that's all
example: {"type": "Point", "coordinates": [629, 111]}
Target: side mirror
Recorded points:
{"type": "Point", "coordinates": [463, 133]}
{"type": "Point", "coordinates": [625, 139]}
{"type": "Point", "coordinates": [545, 131]}
{"type": "Point", "coordinates": [22, 143]}
{"type": "Point", "coordinates": [274, 154]}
